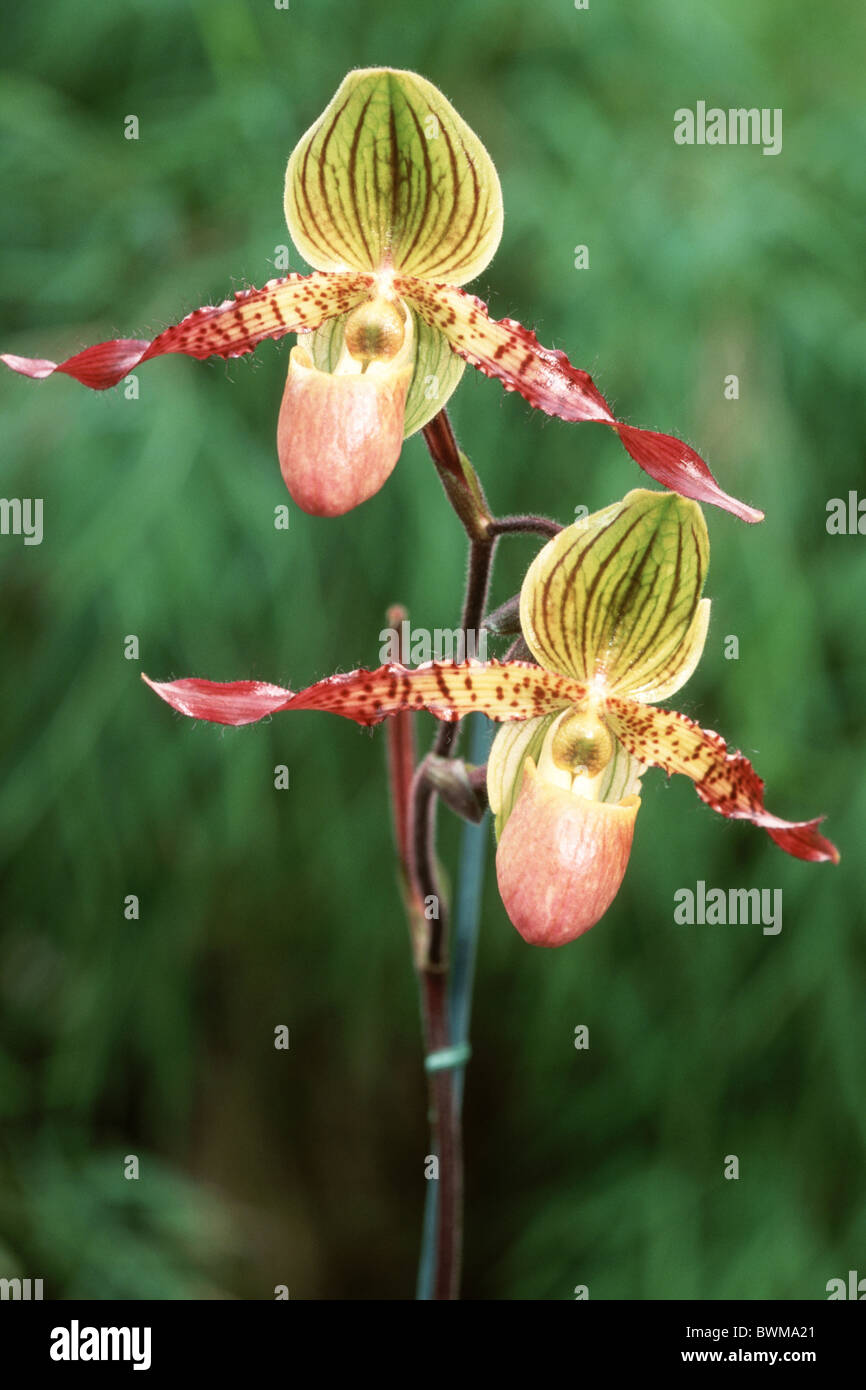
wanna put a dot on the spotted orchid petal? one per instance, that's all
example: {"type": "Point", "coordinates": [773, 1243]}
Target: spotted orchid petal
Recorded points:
{"type": "Point", "coordinates": [390, 177]}
{"type": "Point", "coordinates": [725, 781]}
{"type": "Point", "coordinates": [546, 379]}
{"type": "Point", "coordinates": [449, 690]}
{"type": "Point", "coordinates": [615, 598]}
{"type": "Point", "coordinates": [290, 305]}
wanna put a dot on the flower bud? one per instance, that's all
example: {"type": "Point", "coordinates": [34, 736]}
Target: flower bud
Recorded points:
{"type": "Point", "coordinates": [561, 859]}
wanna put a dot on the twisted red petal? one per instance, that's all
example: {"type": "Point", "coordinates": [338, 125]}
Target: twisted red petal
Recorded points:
{"type": "Point", "coordinates": [678, 468]}
{"type": "Point", "coordinates": [546, 379]}
{"type": "Point", "coordinates": [725, 781]}
{"type": "Point", "coordinates": [449, 690]}
{"type": "Point", "coordinates": [222, 702]}
{"type": "Point", "coordinates": [291, 305]}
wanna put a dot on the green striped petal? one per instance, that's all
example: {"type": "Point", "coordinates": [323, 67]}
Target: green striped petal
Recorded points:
{"type": "Point", "coordinates": [615, 599]}
{"type": "Point", "coordinates": [390, 178]}
{"type": "Point", "coordinates": [437, 370]}
{"type": "Point", "coordinates": [513, 744]}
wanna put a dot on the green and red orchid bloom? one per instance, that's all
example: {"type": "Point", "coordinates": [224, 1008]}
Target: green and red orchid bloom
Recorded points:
{"type": "Point", "coordinates": [395, 203]}
{"type": "Point", "coordinates": [612, 612]}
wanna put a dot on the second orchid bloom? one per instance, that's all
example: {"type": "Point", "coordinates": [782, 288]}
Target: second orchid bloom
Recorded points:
{"type": "Point", "coordinates": [613, 613]}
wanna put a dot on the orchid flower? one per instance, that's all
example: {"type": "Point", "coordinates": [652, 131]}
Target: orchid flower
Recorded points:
{"type": "Point", "coordinates": [395, 203]}
{"type": "Point", "coordinates": [612, 612]}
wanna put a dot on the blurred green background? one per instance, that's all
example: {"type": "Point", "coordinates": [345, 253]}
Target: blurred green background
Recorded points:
{"type": "Point", "coordinates": [260, 907]}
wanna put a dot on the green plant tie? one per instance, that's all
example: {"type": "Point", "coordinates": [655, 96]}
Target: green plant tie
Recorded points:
{"type": "Point", "coordinates": [447, 1057]}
